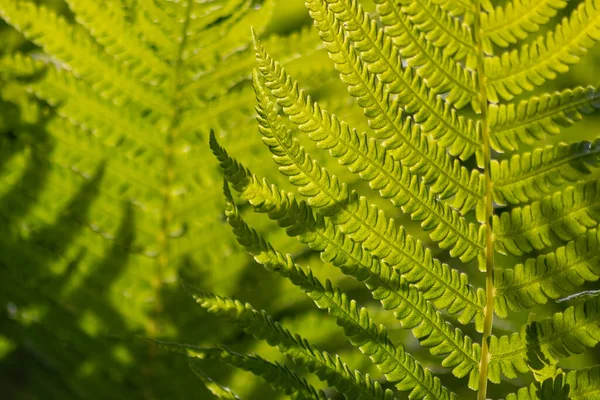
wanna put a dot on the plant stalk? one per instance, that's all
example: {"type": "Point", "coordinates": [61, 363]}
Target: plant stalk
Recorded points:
{"type": "Point", "coordinates": [489, 212]}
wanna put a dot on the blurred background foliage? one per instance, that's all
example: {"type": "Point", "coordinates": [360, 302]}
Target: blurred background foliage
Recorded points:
{"type": "Point", "coordinates": [78, 283]}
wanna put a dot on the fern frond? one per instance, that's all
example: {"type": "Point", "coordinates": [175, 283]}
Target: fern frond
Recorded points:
{"type": "Point", "coordinates": [258, 324]}
{"type": "Point", "coordinates": [557, 337]}
{"type": "Point", "coordinates": [154, 28]}
{"type": "Point", "coordinates": [278, 376]}
{"type": "Point", "coordinates": [218, 390]}
{"type": "Point", "coordinates": [434, 115]}
{"type": "Point", "coordinates": [368, 225]}
{"type": "Point", "coordinates": [398, 367]}
{"type": "Point", "coordinates": [280, 207]}
{"type": "Point", "coordinates": [548, 276]}
{"type": "Point", "coordinates": [332, 134]}
{"type": "Point", "coordinates": [79, 104]}
{"type": "Point", "coordinates": [441, 29]}
{"type": "Point", "coordinates": [506, 25]}
{"type": "Point", "coordinates": [533, 175]}
{"type": "Point", "coordinates": [443, 74]}
{"type": "Point", "coordinates": [388, 177]}
{"type": "Point", "coordinates": [106, 23]}
{"type": "Point", "coordinates": [564, 215]}
{"type": "Point", "coordinates": [581, 384]}
{"type": "Point", "coordinates": [68, 44]}
{"type": "Point", "coordinates": [411, 307]}
{"type": "Point", "coordinates": [221, 78]}
{"type": "Point", "coordinates": [531, 120]}
{"type": "Point", "coordinates": [206, 14]}
{"type": "Point", "coordinates": [227, 38]}
{"type": "Point", "coordinates": [523, 69]}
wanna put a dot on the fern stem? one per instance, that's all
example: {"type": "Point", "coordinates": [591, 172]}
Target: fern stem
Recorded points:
{"type": "Point", "coordinates": [489, 211]}
{"type": "Point", "coordinates": [169, 171]}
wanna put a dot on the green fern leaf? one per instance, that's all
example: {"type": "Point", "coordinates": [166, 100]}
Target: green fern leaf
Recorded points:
{"type": "Point", "coordinates": [533, 175]}
{"type": "Point", "coordinates": [442, 30]}
{"type": "Point", "coordinates": [557, 337]}
{"type": "Point", "coordinates": [507, 25]}
{"type": "Point", "coordinates": [515, 124]}
{"type": "Point", "coordinates": [562, 216]}
{"type": "Point", "coordinates": [522, 70]}
{"type": "Point", "coordinates": [397, 366]}
{"type": "Point", "coordinates": [260, 325]}
{"type": "Point", "coordinates": [549, 276]}
{"type": "Point", "coordinates": [444, 75]}
{"type": "Point", "coordinates": [410, 305]}
{"type": "Point", "coordinates": [276, 375]}
{"type": "Point", "coordinates": [332, 134]}
{"type": "Point", "coordinates": [392, 181]}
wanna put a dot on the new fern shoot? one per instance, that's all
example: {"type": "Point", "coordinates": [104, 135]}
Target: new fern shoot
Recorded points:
{"type": "Point", "coordinates": [454, 142]}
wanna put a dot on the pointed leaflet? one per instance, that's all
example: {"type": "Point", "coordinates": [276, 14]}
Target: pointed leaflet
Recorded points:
{"type": "Point", "coordinates": [531, 176]}
{"type": "Point", "coordinates": [298, 219]}
{"type": "Point", "coordinates": [397, 366]}
{"type": "Point", "coordinates": [258, 324]}
{"type": "Point", "coordinates": [548, 276]}
{"type": "Point", "coordinates": [506, 25]}
{"type": "Point", "coordinates": [559, 217]}
{"type": "Point", "coordinates": [278, 376]}
{"type": "Point", "coordinates": [337, 136]}
{"type": "Point", "coordinates": [411, 307]}
{"type": "Point", "coordinates": [388, 177]}
{"type": "Point", "coordinates": [557, 337]}
{"type": "Point", "coordinates": [513, 125]}
{"type": "Point", "coordinates": [523, 69]}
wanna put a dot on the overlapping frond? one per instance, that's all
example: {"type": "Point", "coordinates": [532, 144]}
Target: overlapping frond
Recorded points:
{"type": "Point", "coordinates": [557, 337]}
{"type": "Point", "coordinates": [523, 69]}
{"type": "Point", "coordinates": [532, 175]}
{"type": "Point", "coordinates": [561, 216]}
{"type": "Point", "coordinates": [441, 73]}
{"type": "Point", "coordinates": [328, 368]}
{"type": "Point", "coordinates": [506, 25]}
{"type": "Point", "coordinates": [106, 22]}
{"type": "Point", "coordinates": [362, 156]}
{"type": "Point", "coordinates": [513, 125]}
{"type": "Point", "coordinates": [278, 376]}
{"type": "Point", "coordinates": [398, 367]}
{"type": "Point", "coordinates": [434, 115]}
{"type": "Point", "coordinates": [411, 306]}
{"type": "Point", "coordinates": [441, 29]}
{"type": "Point", "coordinates": [549, 276]}
{"type": "Point", "coordinates": [70, 45]}
{"type": "Point", "coordinates": [341, 140]}
{"type": "Point", "coordinates": [581, 384]}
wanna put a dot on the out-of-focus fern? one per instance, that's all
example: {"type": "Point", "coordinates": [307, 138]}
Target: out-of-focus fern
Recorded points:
{"type": "Point", "coordinates": [415, 67]}
{"type": "Point", "coordinates": [106, 189]}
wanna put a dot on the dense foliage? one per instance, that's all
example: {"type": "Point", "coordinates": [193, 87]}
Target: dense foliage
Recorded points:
{"type": "Point", "coordinates": [110, 195]}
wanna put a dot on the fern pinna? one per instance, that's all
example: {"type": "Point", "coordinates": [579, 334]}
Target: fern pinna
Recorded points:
{"type": "Point", "coordinates": [453, 141]}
